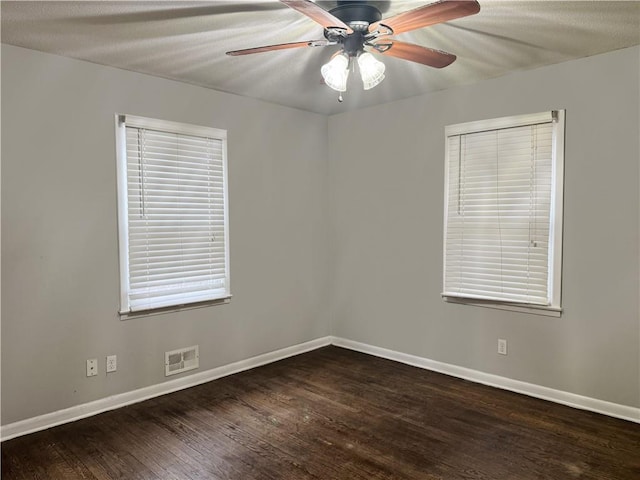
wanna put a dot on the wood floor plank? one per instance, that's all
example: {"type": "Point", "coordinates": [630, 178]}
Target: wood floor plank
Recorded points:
{"type": "Point", "coordinates": [333, 414]}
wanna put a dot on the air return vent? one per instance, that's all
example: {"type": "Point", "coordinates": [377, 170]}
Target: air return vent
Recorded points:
{"type": "Point", "coordinates": [181, 360]}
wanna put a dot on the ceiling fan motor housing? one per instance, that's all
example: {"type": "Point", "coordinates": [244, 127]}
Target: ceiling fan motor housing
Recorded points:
{"type": "Point", "coordinates": [358, 15]}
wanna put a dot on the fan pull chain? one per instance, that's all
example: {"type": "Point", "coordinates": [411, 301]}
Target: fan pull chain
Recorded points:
{"type": "Point", "coordinates": [340, 99]}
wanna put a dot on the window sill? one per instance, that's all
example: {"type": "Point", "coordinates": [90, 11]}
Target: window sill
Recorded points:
{"type": "Point", "coordinates": [521, 308]}
{"type": "Point", "coordinates": [173, 309]}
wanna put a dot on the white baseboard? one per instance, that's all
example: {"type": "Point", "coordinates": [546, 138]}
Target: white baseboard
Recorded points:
{"type": "Point", "coordinates": [558, 396]}
{"type": "Point", "coordinates": [77, 412]}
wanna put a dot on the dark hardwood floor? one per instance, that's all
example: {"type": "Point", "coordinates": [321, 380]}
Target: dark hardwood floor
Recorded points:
{"type": "Point", "coordinates": [333, 414]}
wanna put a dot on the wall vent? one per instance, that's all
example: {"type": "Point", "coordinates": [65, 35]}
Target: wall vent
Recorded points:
{"type": "Point", "coordinates": [181, 360]}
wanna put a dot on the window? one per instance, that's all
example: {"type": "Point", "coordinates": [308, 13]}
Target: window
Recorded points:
{"type": "Point", "coordinates": [503, 211]}
{"type": "Point", "coordinates": [172, 209]}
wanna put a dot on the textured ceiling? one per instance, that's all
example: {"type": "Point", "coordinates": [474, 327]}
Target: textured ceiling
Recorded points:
{"type": "Point", "coordinates": [187, 41]}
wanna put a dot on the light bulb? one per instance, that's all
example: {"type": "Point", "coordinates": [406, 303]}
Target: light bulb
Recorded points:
{"type": "Point", "coordinates": [371, 70]}
{"type": "Point", "coordinates": [336, 72]}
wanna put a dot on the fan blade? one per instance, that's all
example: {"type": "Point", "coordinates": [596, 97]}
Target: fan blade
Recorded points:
{"type": "Point", "coordinates": [317, 14]}
{"type": "Point", "coordinates": [413, 53]}
{"type": "Point", "coordinates": [281, 46]}
{"type": "Point", "coordinates": [431, 14]}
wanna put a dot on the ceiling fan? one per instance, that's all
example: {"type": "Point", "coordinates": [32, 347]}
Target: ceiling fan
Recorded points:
{"type": "Point", "coordinates": [357, 26]}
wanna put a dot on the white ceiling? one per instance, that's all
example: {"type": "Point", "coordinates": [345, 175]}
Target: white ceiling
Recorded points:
{"type": "Point", "coordinates": [187, 41]}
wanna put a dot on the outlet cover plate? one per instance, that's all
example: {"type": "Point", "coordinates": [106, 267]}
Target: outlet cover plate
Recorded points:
{"type": "Point", "coordinates": [502, 346]}
{"type": "Point", "coordinates": [92, 367]}
{"type": "Point", "coordinates": [112, 363]}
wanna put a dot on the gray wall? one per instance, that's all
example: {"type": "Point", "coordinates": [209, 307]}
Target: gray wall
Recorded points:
{"type": "Point", "coordinates": [386, 183]}
{"type": "Point", "coordinates": [349, 246]}
{"type": "Point", "coordinates": [60, 281]}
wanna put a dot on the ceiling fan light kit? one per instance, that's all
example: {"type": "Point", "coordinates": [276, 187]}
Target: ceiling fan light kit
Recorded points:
{"type": "Point", "coordinates": [358, 28]}
{"type": "Point", "coordinates": [336, 72]}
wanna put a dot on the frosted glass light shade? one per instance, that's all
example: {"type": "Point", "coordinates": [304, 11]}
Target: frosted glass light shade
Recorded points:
{"type": "Point", "coordinates": [336, 72]}
{"type": "Point", "coordinates": [371, 70]}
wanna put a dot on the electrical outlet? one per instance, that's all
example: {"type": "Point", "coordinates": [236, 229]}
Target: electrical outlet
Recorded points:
{"type": "Point", "coordinates": [112, 364]}
{"type": "Point", "coordinates": [92, 367]}
{"type": "Point", "coordinates": [502, 346]}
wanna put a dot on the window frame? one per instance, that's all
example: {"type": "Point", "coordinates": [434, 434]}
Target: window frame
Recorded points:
{"type": "Point", "coordinates": [557, 118]}
{"type": "Point", "coordinates": [121, 122]}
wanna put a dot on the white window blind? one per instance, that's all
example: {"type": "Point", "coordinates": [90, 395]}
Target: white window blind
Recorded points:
{"type": "Point", "coordinates": [501, 231]}
{"type": "Point", "coordinates": [174, 234]}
